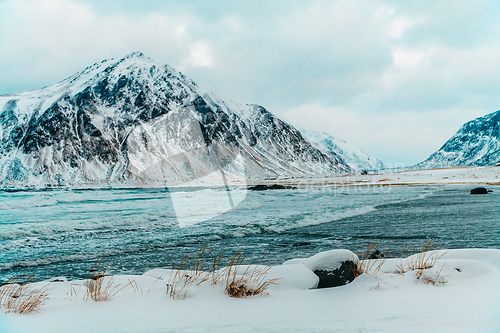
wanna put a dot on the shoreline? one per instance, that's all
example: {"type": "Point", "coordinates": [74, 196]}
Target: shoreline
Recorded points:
{"type": "Point", "coordinates": [444, 176]}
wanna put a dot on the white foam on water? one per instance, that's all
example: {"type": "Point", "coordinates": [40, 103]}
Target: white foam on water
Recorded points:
{"type": "Point", "coordinates": [309, 219]}
{"type": "Point", "coordinates": [106, 222]}
{"type": "Point", "coordinates": [85, 222]}
{"type": "Point", "coordinates": [19, 242]}
{"type": "Point", "coordinates": [301, 208]}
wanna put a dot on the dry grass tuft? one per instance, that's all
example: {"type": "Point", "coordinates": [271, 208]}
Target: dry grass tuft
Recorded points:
{"type": "Point", "coordinates": [246, 284]}
{"type": "Point", "coordinates": [187, 273]}
{"type": "Point", "coordinates": [371, 259]}
{"type": "Point", "coordinates": [17, 296]}
{"type": "Point", "coordinates": [252, 282]}
{"type": "Point", "coordinates": [421, 258]}
{"type": "Point", "coordinates": [427, 278]}
{"type": "Point", "coordinates": [74, 292]}
{"type": "Point", "coordinates": [100, 284]}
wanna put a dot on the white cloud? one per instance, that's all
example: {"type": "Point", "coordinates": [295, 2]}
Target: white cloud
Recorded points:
{"type": "Point", "coordinates": [399, 26]}
{"type": "Point", "coordinates": [397, 138]}
{"type": "Point", "coordinates": [181, 31]}
{"type": "Point", "coordinates": [408, 58]}
{"type": "Point", "coordinates": [395, 78]}
{"type": "Point", "coordinates": [200, 55]}
{"type": "Point", "coordinates": [49, 40]}
{"type": "Point", "coordinates": [396, 23]}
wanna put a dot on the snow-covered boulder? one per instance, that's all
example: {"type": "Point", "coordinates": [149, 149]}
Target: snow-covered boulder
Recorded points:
{"type": "Point", "coordinates": [334, 268]}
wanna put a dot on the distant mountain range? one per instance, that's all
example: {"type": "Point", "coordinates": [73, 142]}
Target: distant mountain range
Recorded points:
{"type": "Point", "coordinates": [477, 143]}
{"type": "Point", "coordinates": [134, 121]}
{"type": "Point", "coordinates": [353, 156]}
{"type": "Point", "coordinates": [137, 122]}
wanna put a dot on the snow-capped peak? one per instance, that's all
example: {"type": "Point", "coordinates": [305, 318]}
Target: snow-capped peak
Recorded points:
{"type": "Point", "coordinates": [135, 120]}
{"type": "Point", "coordinates": [353, 156]}
{"type": "Point", "coordinates": [477, 143]}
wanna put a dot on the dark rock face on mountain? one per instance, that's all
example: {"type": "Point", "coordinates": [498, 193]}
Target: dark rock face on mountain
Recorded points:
{"type": "Point", "coordinates": [133, 121]}
{"type": "Point", "coordinates": [477, 143]}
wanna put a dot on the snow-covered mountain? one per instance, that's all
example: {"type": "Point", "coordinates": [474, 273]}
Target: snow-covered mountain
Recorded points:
{"type": "Point", "coordinates": [353, 156]}
{"type": "Point", "coordinates": [134, 121]}
{"type": "Point", "coordinates": [477, 143]}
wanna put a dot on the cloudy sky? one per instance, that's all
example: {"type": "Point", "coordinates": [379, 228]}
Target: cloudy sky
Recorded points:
{"type": "Point", "coordinates": [395, 78]}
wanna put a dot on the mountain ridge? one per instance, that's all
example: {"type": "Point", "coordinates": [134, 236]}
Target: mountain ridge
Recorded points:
{"type": "Point", "coordinates": [353, 156]}
{"type": "Point", "coordinates": [135, 121]}
{"type": "Point", "coordinates": [476, 143]}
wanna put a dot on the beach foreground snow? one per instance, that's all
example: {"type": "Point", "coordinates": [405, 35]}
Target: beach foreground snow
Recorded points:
{"type": "Point", "coordinates": [460, 291]}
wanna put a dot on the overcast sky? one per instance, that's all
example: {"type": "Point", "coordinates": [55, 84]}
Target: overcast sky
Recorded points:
{"type": "Point", "coordinates": [395, 78]}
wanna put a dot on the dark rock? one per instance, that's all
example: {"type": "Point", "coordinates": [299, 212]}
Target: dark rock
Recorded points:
{"type": "Point", "coordinates": [376, 255]}
{"type": "Point", "coordinates": [270, 187]}
{"type": "Point", "coordinates": [479, 190]}
{"type": "Point", "coordinates": [301, 244]}
{"type": "Point", "coordinates": [58, 279]}
{"type": "Point", "coordinates": [338, 277]}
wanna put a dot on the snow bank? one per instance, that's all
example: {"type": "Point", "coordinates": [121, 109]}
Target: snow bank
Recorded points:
{"type": "Point", "coordinates": [328, 260]}
{"type": "Point", "coordinates": [465, 297]}
{"type": "Point", "coordinates": [454, 175]}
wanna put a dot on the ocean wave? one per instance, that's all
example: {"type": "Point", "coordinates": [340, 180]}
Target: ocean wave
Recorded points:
{"type": "Point", "coordinates": [309, 219]}
{"type": "Point", "coordinates": [83, 226]}
{"type": "Point", "coordinates": [19, 231]}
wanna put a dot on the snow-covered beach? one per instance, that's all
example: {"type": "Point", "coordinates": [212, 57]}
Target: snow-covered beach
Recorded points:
{"type": "Point", "coordinates": [249, 166]}
{"type": "Point", "coordinates": [460, 292]}
{"type": "Point", "coordinates": [489, 175]}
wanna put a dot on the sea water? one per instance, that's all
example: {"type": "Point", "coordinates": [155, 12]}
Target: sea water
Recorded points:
{"type": "Point", "coordinates": [63, 232]}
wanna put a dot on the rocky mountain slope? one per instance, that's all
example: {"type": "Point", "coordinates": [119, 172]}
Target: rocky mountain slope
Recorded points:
{"type": "Point", "coordinates": [134, 121]}
{"type": "Point", "coordinates": [477, 143]}
{"type": "Point", "coordinates": [353, 156]}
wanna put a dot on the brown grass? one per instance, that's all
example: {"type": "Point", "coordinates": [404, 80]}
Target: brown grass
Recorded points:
{"type": "Point", "coordinates": [100, 284]}
{"type": "Point", "coordinates": [158, 279]}
{"type": "Point", "coordinates": [371, 266]}
{"type": "Point", "coordinates": [74, 292]}
{"type": "Point", "coordinates": [187, 273]}
{"type": "Point", "coordinates": [421, 257]}
{"type": "Point", "coordinates": [17, 296]}
{"type": "Point", "coordinates": [429, 279]}
{"type": "Point", "coordinates": [246, 284]}
{"type": "Point", "coordinates": [251, 282]}
{"type": "Point", "coordinates": [418, 259]}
